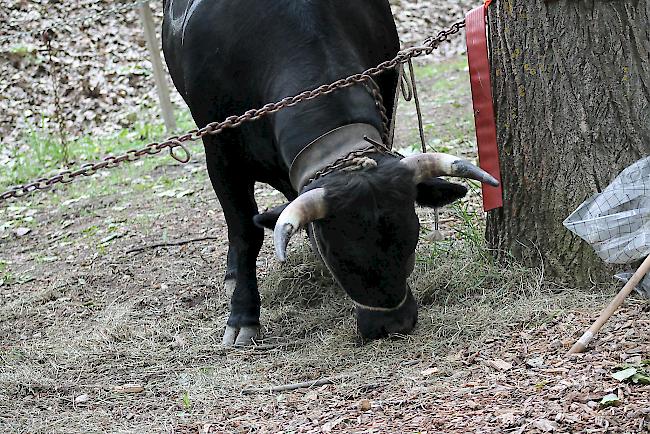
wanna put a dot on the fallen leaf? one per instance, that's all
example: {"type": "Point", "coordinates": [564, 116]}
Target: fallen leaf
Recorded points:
{"type": "Point", "coordinates": [66, 224]}
{"type": "Point", "coordinates": [81, 399]}
{"type": "Point", "coordinates": [184, 193]}
{"type": "Point", "coordinates": [610, 400]}
{"type": "Point", "coordinates": [499, 364]}
{"type": "Point", "coordinates": [507, 419]}
{"type": "Point", "coordinates": [21, 232]}
{"type": "Point", "coordinates": [536, 362]}
{"type": "Point", "coordinates": [640, 378]}
{"type": "Point", "coordinates": [545, 425]}
{"type": "Point", "coordinates": [128, 388]}
{"type": "Point", "coordinates": [71, 201]}
{"type": "Point", "coordinates": [624, 374]}
{"type": "Point", "coordinates": [430, 371]}
{"type": "Point", "coordinates": [112, 237]}
{"type": "Point", "coordinates": [167, 193]}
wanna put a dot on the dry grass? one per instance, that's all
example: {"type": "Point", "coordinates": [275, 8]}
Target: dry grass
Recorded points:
{"type": "Point", "coordinates": [79, 316]}
{"type": "Point", "coordinates": [98, 325]}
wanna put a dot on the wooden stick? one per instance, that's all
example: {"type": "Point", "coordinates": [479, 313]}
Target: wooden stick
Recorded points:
{"type": "Point", "coordinates": [171, 243]}
{"type": "Point", "coordinates": [581, 345]}
{"type": "Point", "coordinates": [293, 386]}
{"type": "Point", "coordinates": [158, 71]}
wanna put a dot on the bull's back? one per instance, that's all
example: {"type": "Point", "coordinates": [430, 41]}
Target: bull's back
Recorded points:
{"type": "Point", "coordinates": [233, 48]}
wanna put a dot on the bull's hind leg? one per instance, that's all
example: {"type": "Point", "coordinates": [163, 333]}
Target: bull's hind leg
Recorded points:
{"type": "Point", "coordinates": [234, 188]}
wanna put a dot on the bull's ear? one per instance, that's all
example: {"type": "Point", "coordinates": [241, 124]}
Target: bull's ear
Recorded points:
{"type": "Point", "coordinates": [269, 218]}
{"type": "Point", "coordinates": [437, 192]}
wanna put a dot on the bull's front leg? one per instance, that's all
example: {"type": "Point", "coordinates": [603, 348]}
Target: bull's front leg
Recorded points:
{"type": "Point", "coordinates": [244, 321]}
{"type": "Point", "coordinates": [235, 192]}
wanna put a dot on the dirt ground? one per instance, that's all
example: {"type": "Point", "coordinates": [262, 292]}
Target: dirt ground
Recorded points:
{"type": "Point", "coordinates": [97, 337]}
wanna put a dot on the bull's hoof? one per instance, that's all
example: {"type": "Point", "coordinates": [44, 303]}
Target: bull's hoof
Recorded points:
{"type": "Point", "coordinates": [243, 336]}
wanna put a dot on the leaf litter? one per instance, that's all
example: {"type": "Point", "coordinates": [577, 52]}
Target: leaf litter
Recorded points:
{"type": "Point", "coordinates": [486, 357]}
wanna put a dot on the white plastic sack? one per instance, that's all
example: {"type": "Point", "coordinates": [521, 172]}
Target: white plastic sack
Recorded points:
{"type": "Point", "coordinates": [616, 222]}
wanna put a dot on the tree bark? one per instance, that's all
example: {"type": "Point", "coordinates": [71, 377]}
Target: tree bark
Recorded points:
{"type": "Point", "coordinates": [572, 99]}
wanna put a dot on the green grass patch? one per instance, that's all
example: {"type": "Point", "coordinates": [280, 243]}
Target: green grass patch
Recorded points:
{"type": "Point", "coordinates": [43, 154]}
{"type": "Point", "coordinates": [443, 68]}
{"type": "Point", "coordinates": [24, 51]}
{"type": "Point", "coordinates": [445, 96]}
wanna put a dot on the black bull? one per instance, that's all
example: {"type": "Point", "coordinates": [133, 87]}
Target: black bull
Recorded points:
{"type": "Point", "coordinates": [226, 57]}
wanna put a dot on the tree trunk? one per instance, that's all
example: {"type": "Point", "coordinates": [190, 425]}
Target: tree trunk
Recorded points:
{"type": "Point", "coordinates": [572, 94]}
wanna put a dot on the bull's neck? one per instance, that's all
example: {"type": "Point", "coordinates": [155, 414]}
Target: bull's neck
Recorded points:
{"type": "Point", "coordinates": [328, 149]}
{"type": "Point", "coordinates": [297, 127]}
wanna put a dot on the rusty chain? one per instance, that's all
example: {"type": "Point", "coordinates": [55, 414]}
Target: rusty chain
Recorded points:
{"type": "Point", "coordinates": [342, 162]}
{"type": "Point", "coordinates": [373, 88]}
{"type": "Point", "coordinates": [213, 128]}
{"type": "Point", "coordinates": [348, 160]}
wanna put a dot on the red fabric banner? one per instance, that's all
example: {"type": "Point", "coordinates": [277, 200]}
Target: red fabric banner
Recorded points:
{"type": "Point", "coordinates": [486, 131]}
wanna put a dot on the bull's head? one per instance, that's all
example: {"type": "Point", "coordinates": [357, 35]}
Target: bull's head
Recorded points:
{"type": "Point", "coordinates": [364, 227]}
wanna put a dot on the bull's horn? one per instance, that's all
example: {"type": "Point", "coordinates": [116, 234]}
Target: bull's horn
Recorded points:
{"type": "Point", "coordinates": [306, 208]}
{"type": "Point", "coordinates": [427, 166]}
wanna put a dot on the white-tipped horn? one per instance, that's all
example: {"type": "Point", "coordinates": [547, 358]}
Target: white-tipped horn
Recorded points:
{"type": "Point", "coordinates": [427, 166]}
{"type": "Point", "coordinates": [306, 208]}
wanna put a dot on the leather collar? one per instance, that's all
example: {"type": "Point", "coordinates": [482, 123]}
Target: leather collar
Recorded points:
{"type": "Point", "coordinates": [327, 149]}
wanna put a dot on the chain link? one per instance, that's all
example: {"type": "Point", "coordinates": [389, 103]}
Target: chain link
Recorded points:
{"type": "Point", "coordinates": [349, 159]}
{"type": "Point", "coordinates": [214, 128]}
{"type": "Point", "coordinates": [374, 90]}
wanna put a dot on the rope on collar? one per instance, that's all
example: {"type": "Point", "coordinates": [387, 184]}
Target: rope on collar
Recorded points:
{"type": "Point", "coordinates": [360, 163]}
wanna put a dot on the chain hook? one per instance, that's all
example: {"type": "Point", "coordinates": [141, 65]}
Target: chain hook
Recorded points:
{"type": "Point", "coordinates": [183, 159]}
